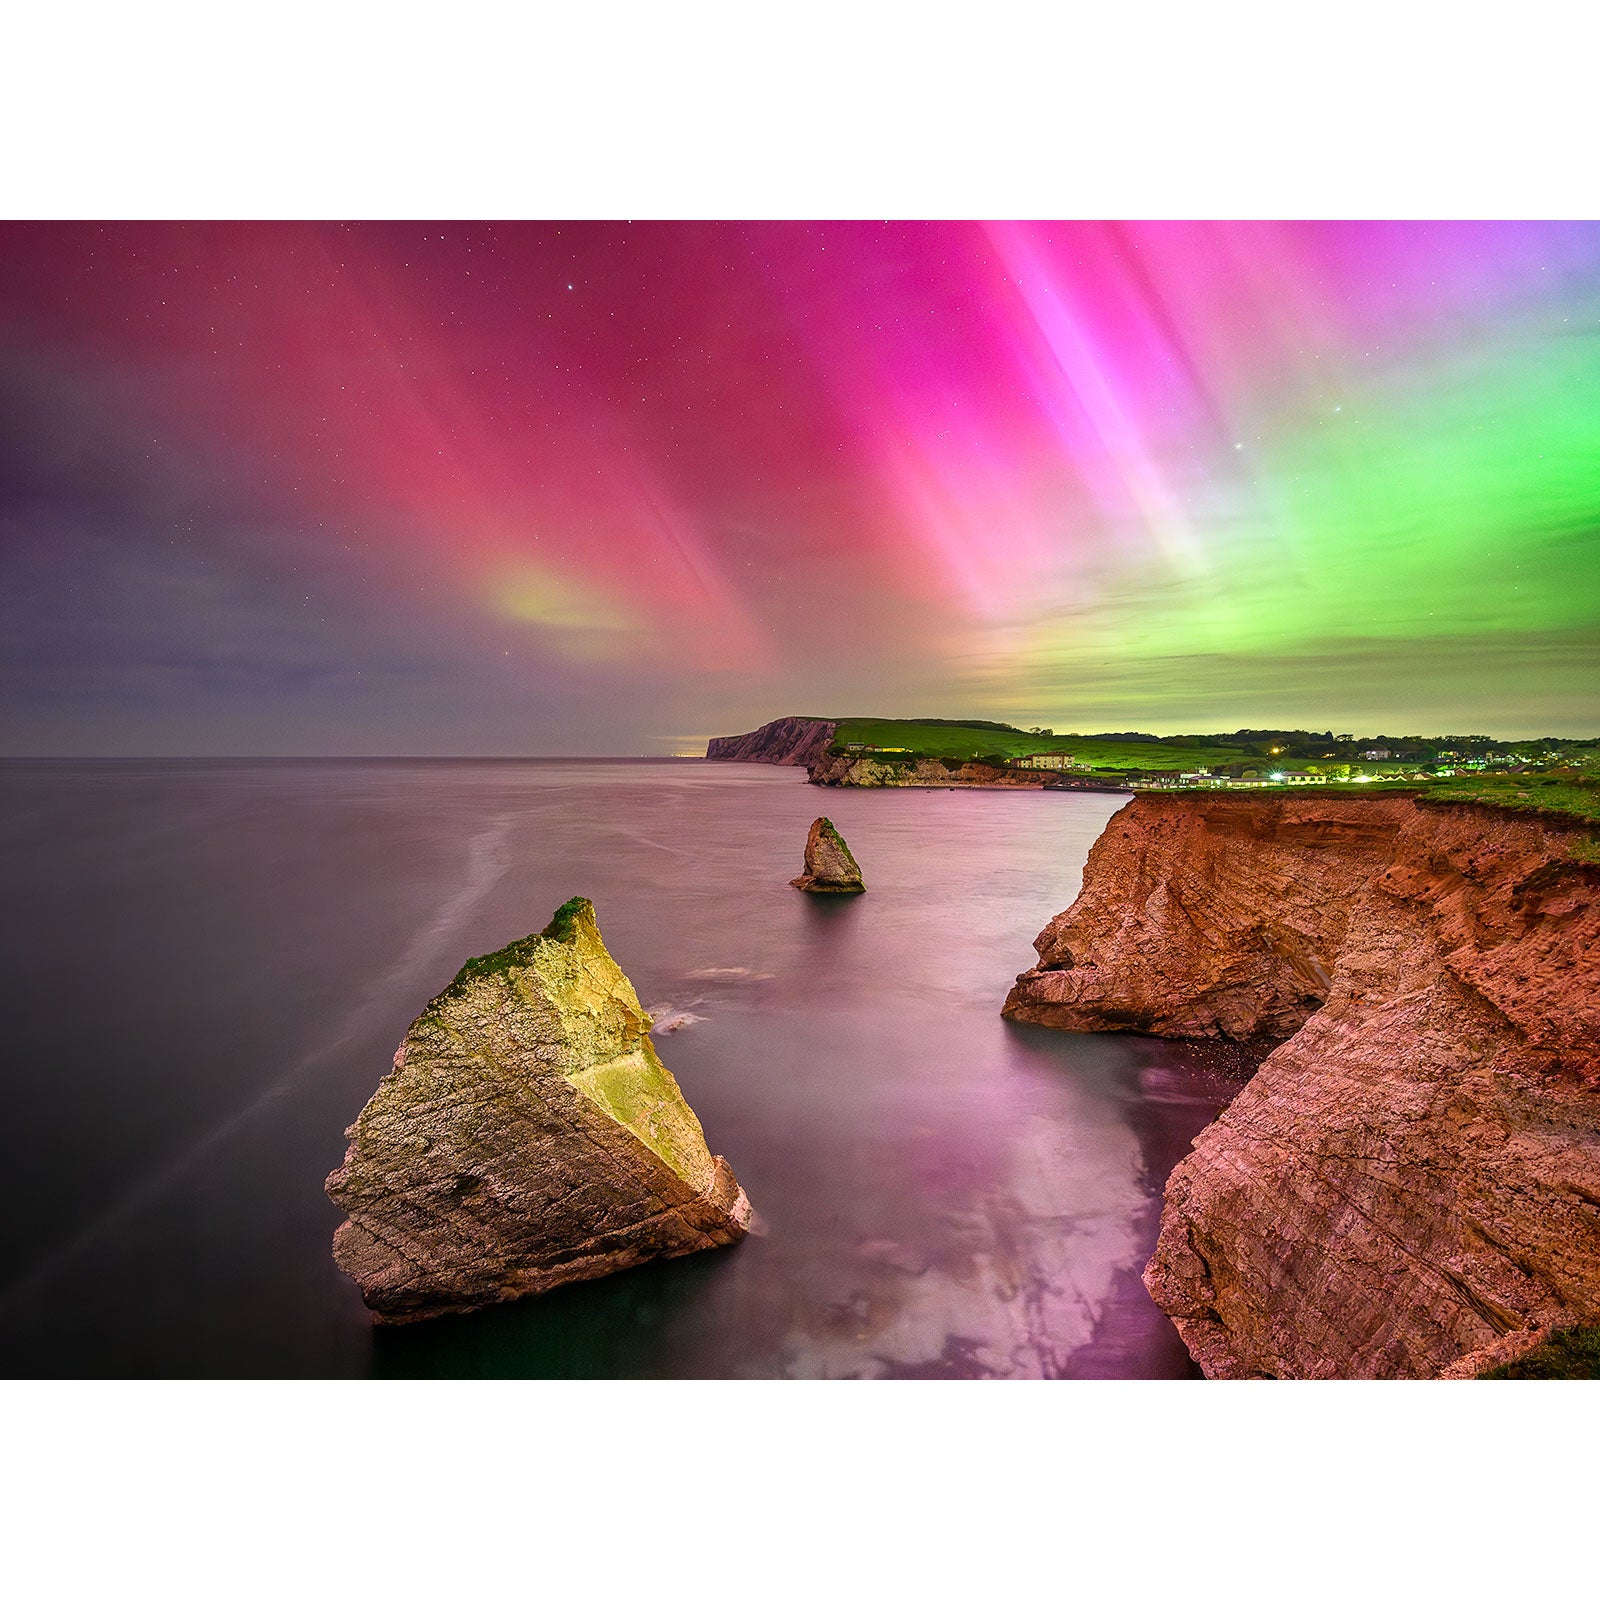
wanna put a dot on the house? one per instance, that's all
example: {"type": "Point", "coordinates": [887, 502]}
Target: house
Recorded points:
{"type": "Point", "coordinates": [1377, 755]}
{"type": "Point", "coordinates": [1051, 760]}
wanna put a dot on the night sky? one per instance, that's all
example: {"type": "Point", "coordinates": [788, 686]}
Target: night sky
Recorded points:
{"type": "Point", "coordinates": [612, 488]}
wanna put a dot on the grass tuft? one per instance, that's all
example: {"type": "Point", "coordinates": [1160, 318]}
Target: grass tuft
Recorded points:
{"type": "Point", "coordinates": [563, 926]}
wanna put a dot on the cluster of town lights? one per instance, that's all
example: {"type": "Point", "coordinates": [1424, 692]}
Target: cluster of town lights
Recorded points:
{"type": "Point", "coordinates": [1360, 777]}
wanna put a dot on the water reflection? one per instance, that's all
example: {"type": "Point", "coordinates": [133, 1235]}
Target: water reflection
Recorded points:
{"type": "Point", "coordinates": [942, 1193]}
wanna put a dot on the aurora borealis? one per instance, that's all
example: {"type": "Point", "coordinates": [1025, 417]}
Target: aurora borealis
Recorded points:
{"type": "Point", "coordinates": [581, 488]}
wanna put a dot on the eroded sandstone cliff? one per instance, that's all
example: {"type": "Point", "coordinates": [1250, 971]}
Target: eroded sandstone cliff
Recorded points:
{"type": "Point", "coordinates": [528, 1136]}
{"type": "Point", "coordinates": [1411, 1181]}
{"type": "Point", "coordinates": [788, 742]}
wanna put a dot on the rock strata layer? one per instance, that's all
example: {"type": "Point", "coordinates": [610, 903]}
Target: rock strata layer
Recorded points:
{"type": "Point", "coordinates": [527, 1137]}
{"type": "Point", "coordinates": [1411, 1181]}
{"type": "Point", "coordinates": [829, 868]}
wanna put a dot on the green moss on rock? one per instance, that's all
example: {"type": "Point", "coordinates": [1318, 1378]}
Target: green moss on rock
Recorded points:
{"type": "Point", "coordinates": [563, 926]}
{"type": "Point", "coordinates": [1567, 1353]}
{"type": "Point", "coordinates": [836, 838]}
{"type": "Point", "coordinates": [561, 929]}
{"type": "Point", "coordinates": [829, 866]}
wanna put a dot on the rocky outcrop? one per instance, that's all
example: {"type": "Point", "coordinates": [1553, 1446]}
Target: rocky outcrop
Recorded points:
{"type": "Point", "coordinates": [1216, 918]}
{"type": "Point", "coordinates": [788, 742]}
{"type": "Point", "coordinates": [868, 772]}
{"type": "Point", "coordinates": [1411, 1181]}
{"type": "Point", "coordinates": [829, 868]}
{"type": "Point", "coordinates": [808, 742]}
{"type": "Point", "coordinates": [527, 1137]}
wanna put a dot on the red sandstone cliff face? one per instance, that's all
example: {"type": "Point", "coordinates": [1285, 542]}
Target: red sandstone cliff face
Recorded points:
{"type": "Point", "coordinates": [1411, 1181]}
{"type": "Point", "coordinates": [788, 742]}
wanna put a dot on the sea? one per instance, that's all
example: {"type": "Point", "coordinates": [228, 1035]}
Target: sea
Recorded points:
{"type": "Point", "coordinates": [210, 963]}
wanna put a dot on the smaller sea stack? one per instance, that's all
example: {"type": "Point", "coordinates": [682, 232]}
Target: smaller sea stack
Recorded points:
{"type": "Point", "coordinates": [528, 1137]}
{"type": "Point", "coordinates": [830, 868]}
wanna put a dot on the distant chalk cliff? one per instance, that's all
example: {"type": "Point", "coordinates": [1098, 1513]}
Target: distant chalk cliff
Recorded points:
{"type": "Point", "coordinates": [809, 742]}
{"type": "Point", "coordinates": [788, 742]}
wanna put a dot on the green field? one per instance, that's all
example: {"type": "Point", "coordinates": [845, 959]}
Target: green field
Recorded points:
{"type": "Point", "coordinates": [1528, 791]}
{"type": "Point", "coordinates": [964, 741]}
{"type": "Point", "coordinates": [1573, 791]}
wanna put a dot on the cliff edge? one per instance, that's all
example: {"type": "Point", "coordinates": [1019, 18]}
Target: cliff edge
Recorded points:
{"type": "Point", "coordinates": [1411, 1181]}
{"type": "Point", "coordinates": [528, 1136]}
{"type": "Point", "coordinates": [788, 742]}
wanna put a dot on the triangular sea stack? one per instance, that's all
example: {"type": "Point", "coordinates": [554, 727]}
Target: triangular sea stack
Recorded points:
{"type": "Point", "coordinates": [528, 1136]}
{"type": "Point", "coordinates": [830, 868]}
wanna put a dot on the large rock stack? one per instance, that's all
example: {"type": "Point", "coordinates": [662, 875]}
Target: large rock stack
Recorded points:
{"type": "Point", "coordinates": [528, 1136]}
{"type": "Point", "coordinates": [830, 868]}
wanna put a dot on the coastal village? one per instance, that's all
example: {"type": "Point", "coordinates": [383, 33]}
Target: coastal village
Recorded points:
{"type": "Point", "coordinates": [1344, 760]}
{"type": "Point", "coordinates": [1549, 772]}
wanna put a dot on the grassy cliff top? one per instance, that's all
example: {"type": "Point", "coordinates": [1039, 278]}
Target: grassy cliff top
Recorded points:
{"type": "Point", "coordinates": [1559, 793]}
{"type": "Point", "coordinates": [1557, 796]}
{"type": "Point", "coordinates": [1573, 789]}
{"type": "Point", "coordinates": [965, 740]}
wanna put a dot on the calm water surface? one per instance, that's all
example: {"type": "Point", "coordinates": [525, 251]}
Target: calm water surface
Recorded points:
{"type": "Point", "coordinates": [210, 964]}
